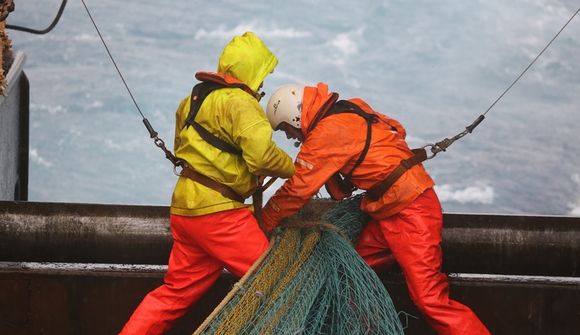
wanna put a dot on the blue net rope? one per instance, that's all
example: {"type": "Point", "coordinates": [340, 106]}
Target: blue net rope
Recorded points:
{"type": "Point", "coordinates": [310, 281]}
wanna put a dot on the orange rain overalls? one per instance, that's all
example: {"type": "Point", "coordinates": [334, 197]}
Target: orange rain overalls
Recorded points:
{"type": "Point", "coordinates": [406, 222]}
{"type": "Point", "coordinates": [210, 231]}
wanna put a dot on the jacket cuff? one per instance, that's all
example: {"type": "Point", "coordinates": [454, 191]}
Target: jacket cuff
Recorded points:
{"type": "Point", "coordinates": [335, 188]}
{"type": "Point", "coordinates": [268, 219]}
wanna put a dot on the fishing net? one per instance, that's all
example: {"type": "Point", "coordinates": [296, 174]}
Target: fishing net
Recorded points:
{"type": "Point", "coordinates": [310, 281]}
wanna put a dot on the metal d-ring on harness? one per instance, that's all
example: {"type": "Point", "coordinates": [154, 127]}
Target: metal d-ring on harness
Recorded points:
{"type": "Point", "coordinates": [445, 143]}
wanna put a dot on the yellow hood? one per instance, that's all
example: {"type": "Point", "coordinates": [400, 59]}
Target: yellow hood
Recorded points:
{"type": "Point", "coordinates": [247, 58]}
{"type": "Point", "coordinates": [235, 116]}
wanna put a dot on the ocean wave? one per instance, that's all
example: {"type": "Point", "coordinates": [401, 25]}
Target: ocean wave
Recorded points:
{"type": "Point", "coordinates": [575, 207]}
{"type": "Point", "coordinates": [36, 158]}
{"type": "Point", "coordinates": [346, 44]}
{"type": "Point", "coordinates": [86, 37]}
{"type": "Point", "coordinates": [52, 110]}
{"type": "Point", "coordinates": [471, 194]}
{"type": "Point", "coordinates": [223, 33]}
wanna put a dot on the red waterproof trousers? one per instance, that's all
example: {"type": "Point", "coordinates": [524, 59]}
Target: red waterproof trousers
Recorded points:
{"type": "Point", "coordinates": [202, 247]}
{"type": "Point", "coordinates": [412, 238]}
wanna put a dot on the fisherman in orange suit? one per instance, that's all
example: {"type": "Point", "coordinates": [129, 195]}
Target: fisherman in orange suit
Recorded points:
{"type": "Point", "coordinates": [347, 145]}
{"type": "Point", "coordinates": [224, 141]}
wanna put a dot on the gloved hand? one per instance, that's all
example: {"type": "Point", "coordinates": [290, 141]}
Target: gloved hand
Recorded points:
{"type": "Point", "coordinates": [338, 188]}
{"type": "Point", "coordinates": [268, 220]}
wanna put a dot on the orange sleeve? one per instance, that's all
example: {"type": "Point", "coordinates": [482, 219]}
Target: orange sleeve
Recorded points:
{"type": "Point", "coordinates": [325, 152]}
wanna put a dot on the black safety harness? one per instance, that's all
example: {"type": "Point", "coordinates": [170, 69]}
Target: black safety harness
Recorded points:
{"type": "Point", "coordinates": [209, 83]}
{"type": "Point", "coordinates": [333, 107]}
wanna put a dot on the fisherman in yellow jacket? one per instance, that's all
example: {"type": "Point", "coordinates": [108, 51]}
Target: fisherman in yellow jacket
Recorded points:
{"type": "Point", "coordinates": [224, 140]}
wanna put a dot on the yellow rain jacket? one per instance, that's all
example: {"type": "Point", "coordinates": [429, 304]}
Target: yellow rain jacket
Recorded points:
{"type": "Point", "coordinates": [236, 117]}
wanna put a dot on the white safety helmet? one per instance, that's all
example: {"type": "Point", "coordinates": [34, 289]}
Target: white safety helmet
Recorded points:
{"type": "Point", "coordinates": [285, 105]}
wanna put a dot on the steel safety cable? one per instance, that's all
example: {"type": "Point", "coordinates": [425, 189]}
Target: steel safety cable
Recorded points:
{"type": "Point", "coordinates": [533, 61]}
{"type": "Point", "coordinates": [444, 144]}
{"type": "Point", "coordinates": [112, 59]}
{"type": "Point", "coordinates": [158, 141]}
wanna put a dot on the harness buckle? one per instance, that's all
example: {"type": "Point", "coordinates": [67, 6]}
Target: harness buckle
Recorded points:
{"type": "Point", "coordinates": [434, 150]}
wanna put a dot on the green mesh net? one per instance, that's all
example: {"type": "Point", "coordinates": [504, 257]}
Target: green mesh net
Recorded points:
{"type": "Point", "coordinates": [310, 281]}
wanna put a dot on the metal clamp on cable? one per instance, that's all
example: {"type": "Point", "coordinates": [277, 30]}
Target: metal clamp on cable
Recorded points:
{"type": "Point", "coordinates": [168, 154]}
{"type": "Point", "coordinates": [446, 143]}
{"type": "Point", "coordinates": [161, 144]}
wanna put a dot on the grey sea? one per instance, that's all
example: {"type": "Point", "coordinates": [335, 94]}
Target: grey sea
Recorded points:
{"type": "Point", "coordinates": [433, 65]}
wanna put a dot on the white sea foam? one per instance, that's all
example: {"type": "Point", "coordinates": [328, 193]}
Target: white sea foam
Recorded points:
{"type": "Point", "coordinates": [472, 194]}
{"type": "Point", "coordinates": [85, 37]}
{"type": "Point", "coordinates": [52, 110]}
{"type": "Point", "coordinates": [224, 33]}
{"type": "Point", "coordinates": [576, 206]}
{"type": "Point", "coordinates": [96, 104]}
{"type": "Point", "coordinates": [346, 45]}
{"type": "Point", "coordinates": [36, 158]}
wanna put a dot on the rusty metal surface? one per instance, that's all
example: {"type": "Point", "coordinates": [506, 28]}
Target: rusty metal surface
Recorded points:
{"type": "Point", "coordinates": [521, 278]}
{"type": "Point", "coordinates": [84, 269]}
{"type": "Point", "coordinates": [34, 304]}
{"type": "Point", "coordinates": [57, 232]}
{"type": "Point", "coordinates": [87, 233]}
{"type": "Point", "coordinates": [507, 244]}
{"type": "Point", "coordinates": [158, 271]}
{"type": "Point", "coordinates": [45, 302]}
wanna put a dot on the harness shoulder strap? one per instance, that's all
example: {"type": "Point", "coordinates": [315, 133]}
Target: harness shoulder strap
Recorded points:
{"type": "Point", "coordinates": [375, 192]}
{"type": "Point", "coordinates": [198, 95]}
{"type": "Point", "coordinates": [326, 107]}
{"type": "Point", "coordinates": [341, 107]}
{"type": "Point", "coordinates": [209, 83]}
{"type": "Point", "coordinates": [344, 106]}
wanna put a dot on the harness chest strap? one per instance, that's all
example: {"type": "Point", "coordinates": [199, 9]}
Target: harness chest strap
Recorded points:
{"type": "Point", "coordinates": [377, 190]}
{"type": "Point", "coordinates": [333, 107]}
{"type": "Point", "coordinates": [209, 83]}
{"type": "Point", "coordinates": [224, 190]}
